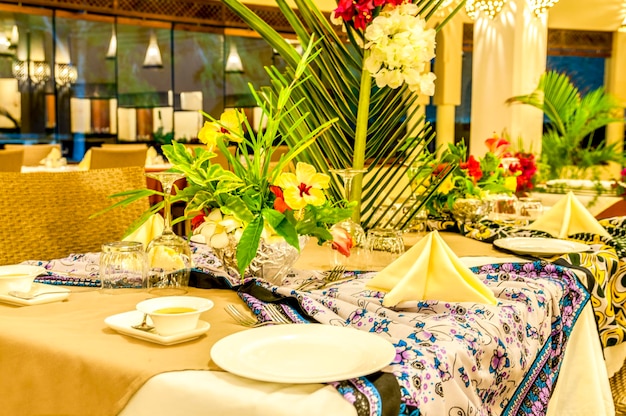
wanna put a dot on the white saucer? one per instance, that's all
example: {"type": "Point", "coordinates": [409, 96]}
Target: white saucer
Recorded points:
{"type": "Point", "coordinates": [52, 297]}
{"type": "Point", "coordinates": [122, 323]}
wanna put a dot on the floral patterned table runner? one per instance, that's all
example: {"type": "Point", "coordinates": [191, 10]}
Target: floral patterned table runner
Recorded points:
{"type": "Point", "coordinates": [451, 357]}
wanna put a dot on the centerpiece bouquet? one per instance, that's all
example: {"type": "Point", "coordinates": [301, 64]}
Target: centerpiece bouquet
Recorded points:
{"type": "Point", "coordinates": [465, 176]}
{"type": "Point", "coordinates": [374, 62]}
{"type": "Point", "coordinates": [256, 202]}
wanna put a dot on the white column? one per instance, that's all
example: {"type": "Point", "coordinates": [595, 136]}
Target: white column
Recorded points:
{"type": "Point", "coordinates": [509, 58]}
{"type": "Point", "coordinates": [616, 85]}
{"type": "Point", "coordinates": [448, 69]}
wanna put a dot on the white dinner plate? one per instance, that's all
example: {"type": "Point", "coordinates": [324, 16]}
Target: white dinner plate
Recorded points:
{"type": "Point", "coordinates": [540, 246]}
{"type": "Point", "coordinates": [123, 323]}
{"type": "Point", "coordinates": [47, 298]}
{"type": "Point", "coordinates": [302, 353]}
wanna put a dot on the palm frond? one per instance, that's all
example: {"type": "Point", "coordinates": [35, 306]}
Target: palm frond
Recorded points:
{"type": "Point", "coordinates": [332, 91]}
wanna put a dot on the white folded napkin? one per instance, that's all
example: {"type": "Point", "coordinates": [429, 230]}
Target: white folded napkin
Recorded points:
{"type": "Point", "coordinates": [430, 271]}
{"type": "Point", "coordinates": [150, 229]}
{"type": "Point", "coordinates": [568, 216]}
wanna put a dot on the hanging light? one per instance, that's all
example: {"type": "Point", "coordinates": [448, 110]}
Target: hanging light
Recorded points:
{"type": "Point", "coordinates": [112, 51]}
{"type": "Point", "coordinates": [65, 74]}
{"type": "Point", "coordinates": [541, 6]}
{"type": "Point", "coordinates": [489, 7]}
{"type": "Point", "coordinates": [37, 71]}
{"type": "Point", "coordinates": [153, 54]}
{"type": "Point", "coordinates": [5, 45]}
{"type": "Point", "coordinates": [233, 62]}
{"type": "Point", "coordinates": [15, 36]}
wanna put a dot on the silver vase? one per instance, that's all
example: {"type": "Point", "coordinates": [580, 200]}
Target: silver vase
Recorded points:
{"type": "Point", "coordinates": [271, 263]}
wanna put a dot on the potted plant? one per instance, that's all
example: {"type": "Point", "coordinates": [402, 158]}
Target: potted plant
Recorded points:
{"type": "Point", "coordinates": [568, 149]}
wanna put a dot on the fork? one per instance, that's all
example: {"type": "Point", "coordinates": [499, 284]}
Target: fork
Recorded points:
{"type": "Point", "coordinates": [275, 313]}
{"type": "Point", "coordinates": [250, 322]}
{"type": "Point", "coordinates": [331, 276]}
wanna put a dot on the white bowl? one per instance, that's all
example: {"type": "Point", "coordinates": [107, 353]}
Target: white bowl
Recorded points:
{"type": "Point", "coordinates": [167, 320]}
{"type": "Point", "coordinates": [18, 277]}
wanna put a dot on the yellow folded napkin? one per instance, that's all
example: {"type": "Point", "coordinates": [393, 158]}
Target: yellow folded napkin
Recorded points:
{"type": "Point", "coordinates": [54, 155]}
{"type": "Point", "coordinates": [568, 216]}
{"type": "Point", "coordinates": [150, 229]}
{"type": "Point", "coordinates": [86, 162]}
{"type": "Point", "coordinates": [430, 271]}
{"type": "Point", "coordinates": [151, 154]}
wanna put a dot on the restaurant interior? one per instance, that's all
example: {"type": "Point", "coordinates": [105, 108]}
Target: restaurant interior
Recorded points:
{"type": "Point", "coordinates": [219, 207]}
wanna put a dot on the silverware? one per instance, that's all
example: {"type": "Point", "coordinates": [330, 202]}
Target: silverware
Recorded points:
{"type": "Point", "coordinates": [143, 326]}
{"type": "Point", "coordinates": [32, 295]}
{"type": "Point", "coordinates": [331, 276]}
{"type": "Point", "coordinates": [251, 322]}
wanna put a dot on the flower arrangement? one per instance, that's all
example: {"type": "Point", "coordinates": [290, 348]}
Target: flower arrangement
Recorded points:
{"type": "Point", "coordinates": [255, 201]}
{"type": "Point", "coordinates": [397, 49]}
{"type": "Point", "coordinates": [466, 176]}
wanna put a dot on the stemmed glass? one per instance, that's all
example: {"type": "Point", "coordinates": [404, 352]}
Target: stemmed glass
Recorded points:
{"type": "Point", "coordinates": [169, 255]}
{"type": "Point", "coordinates": [354, 229]}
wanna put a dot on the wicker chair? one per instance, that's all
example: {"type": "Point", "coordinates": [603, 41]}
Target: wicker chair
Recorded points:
{"type": "Point", "coordinates": [33, 153]}
{"type": "Point", "coordinates": [11, 160]}
{"type": "Point", "coordinates": [618, 390]}
{"type": "Point", "coordinates": [102, 158]}
{"type": "Point", "coordinates": [46, 215]}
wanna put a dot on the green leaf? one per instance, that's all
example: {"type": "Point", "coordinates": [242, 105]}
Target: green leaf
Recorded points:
{"type": "Point", "coordinates": [249, 244]}
{"type": "Point", "coordinates": [233, 204]}
{"type": "Point", "coordinates": [282, 226]}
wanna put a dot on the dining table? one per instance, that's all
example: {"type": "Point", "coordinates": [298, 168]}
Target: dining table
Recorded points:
{"type": "Point", "coordinates": [63, 358]}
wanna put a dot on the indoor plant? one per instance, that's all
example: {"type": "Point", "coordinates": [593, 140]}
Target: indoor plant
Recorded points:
{"type": "Point", "coordinates": [568, 149]}
{"type": "Point", "coordinates": [377, 126]}
{"type": "Point", "coordinates": [263, 203]}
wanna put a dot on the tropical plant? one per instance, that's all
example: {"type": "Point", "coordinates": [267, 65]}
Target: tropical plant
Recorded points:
{"type": "Point", "coordinates": [471, 177]}
{"type": "Point", "coordinates": [377, 127]}
{"type": "Point", "coordinates": [256, 200]}
{"type": "Point", "coordinates": [567, 142]}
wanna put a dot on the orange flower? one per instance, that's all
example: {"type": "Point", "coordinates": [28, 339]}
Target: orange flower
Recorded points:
{"type": "Point", "coordinates": [497, 145]}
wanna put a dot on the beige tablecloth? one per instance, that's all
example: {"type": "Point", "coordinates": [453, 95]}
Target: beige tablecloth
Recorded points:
{"type": "Point", "coordinates": [65, 355]}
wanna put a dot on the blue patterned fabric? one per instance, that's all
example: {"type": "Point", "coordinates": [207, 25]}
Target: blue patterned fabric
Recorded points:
{"type": "Point", "coordinates": [452, 358]}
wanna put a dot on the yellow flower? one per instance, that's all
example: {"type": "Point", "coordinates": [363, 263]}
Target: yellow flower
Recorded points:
{"type": "Point", "coordinates": [304, 187]}
{"type": "Point", "coordinates": [510, 182]}
{"type": "Point", "coordinates": [229, 126]}
{"type": "Point", "coordinates": [446, 186]}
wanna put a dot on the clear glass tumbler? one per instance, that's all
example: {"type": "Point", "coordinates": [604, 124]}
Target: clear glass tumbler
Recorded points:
{"type": "Point", "coordinates": [384, 245]}
{"type": "Point", "coordinates": [123, 267]}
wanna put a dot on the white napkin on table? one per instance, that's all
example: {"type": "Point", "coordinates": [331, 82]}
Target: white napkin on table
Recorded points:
{"type": "Point", "coordinates": [430, 271]}
{"type": "Point", "coordinates": [150, 229]}
{"type": "Point", "coordinates": [568, 216]}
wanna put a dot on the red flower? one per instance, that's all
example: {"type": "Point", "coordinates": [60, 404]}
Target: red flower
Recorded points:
{"type": "Point", "coordinates": [197, 220]}
{"type": "Point", "coordinates": [279, 202]}
{"type": "Point", "coordinates": [527, 168]}
{"type": "Point", "coordinates": [473, 168]}
{"type": "Point", "coordinates": [342, 241]}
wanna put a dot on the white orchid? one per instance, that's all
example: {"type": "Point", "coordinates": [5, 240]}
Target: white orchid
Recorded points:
{"type": "Point", "coordinates": [217, 228]}
{"type": "Point", "coordinates": [400, 49]}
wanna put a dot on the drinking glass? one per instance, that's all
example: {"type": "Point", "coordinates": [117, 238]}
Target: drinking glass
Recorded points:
{"type": "Point", "coordinates": [504, 207]}
{"type": "Point", "coordinates": [123, 267]}
{"type": "Point", "coordinates": [385, 245]}
{"type": "Point", "coordinates": [528, 210]}
{"type": "Point", "coordinates": [169, 255]}
{"type": "Point", "coordinates": [353, 228]}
